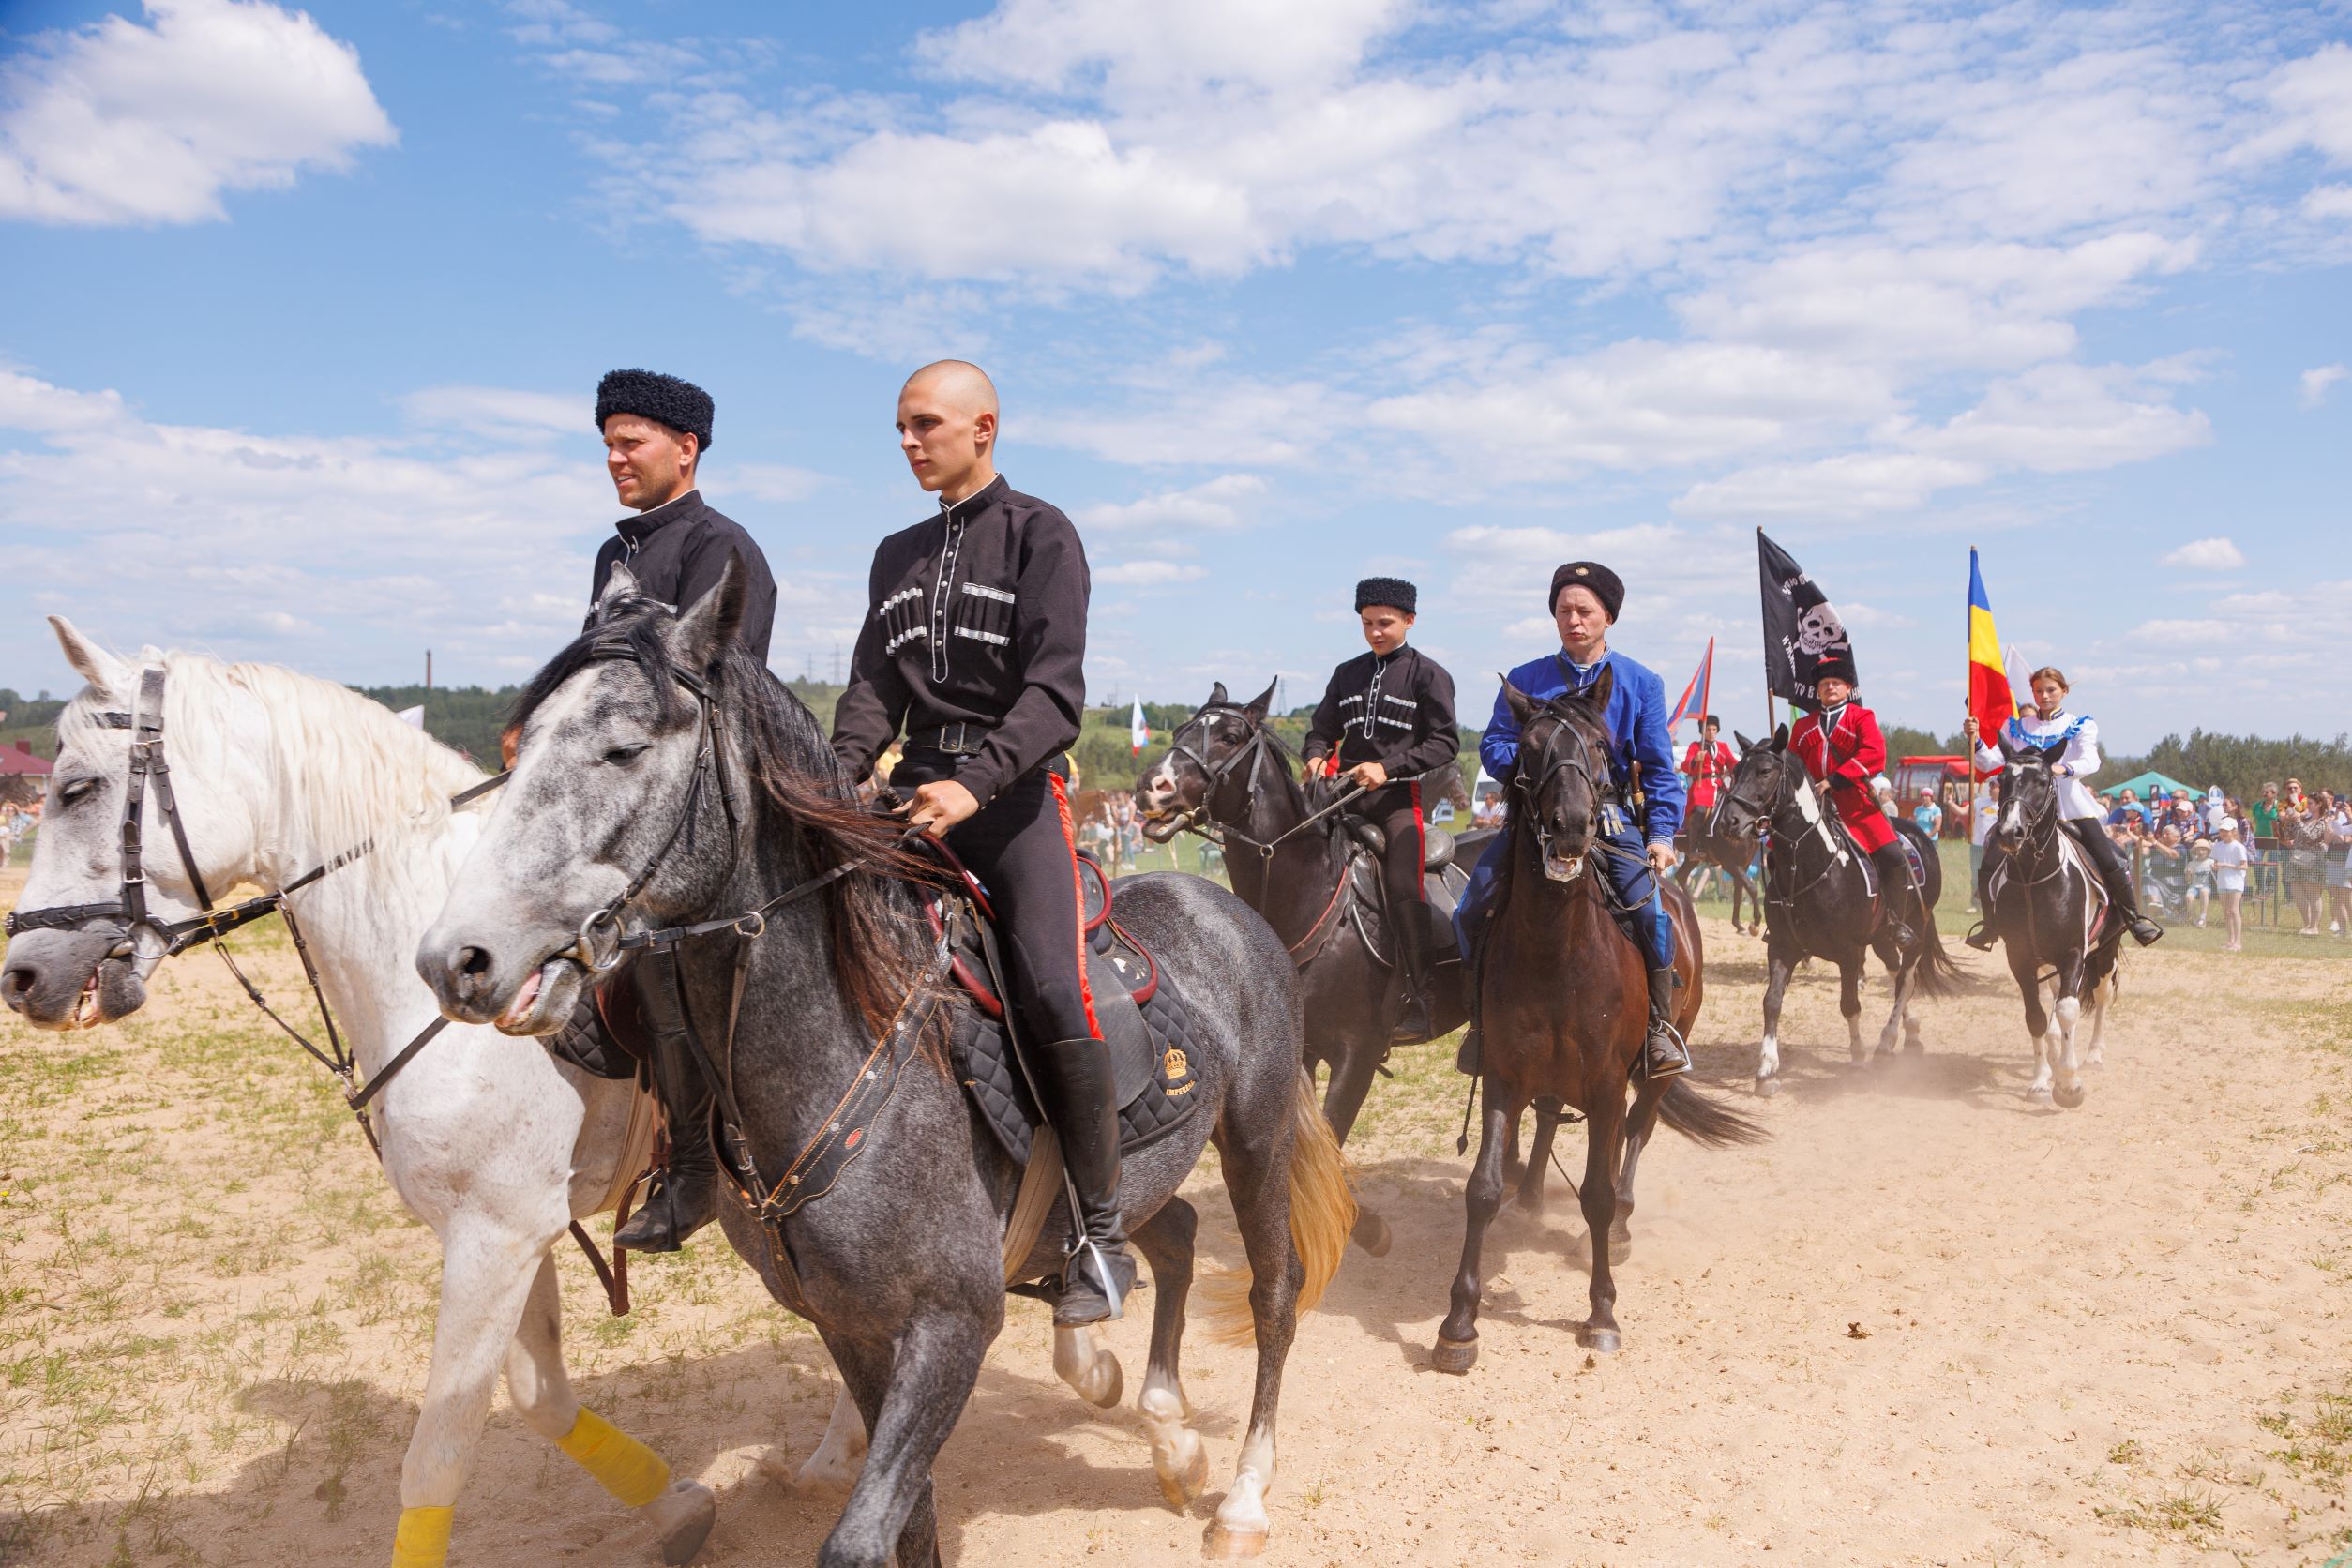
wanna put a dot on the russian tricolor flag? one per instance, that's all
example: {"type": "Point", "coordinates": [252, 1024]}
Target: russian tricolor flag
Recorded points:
{"type": "Point", "coordinates": [1990, 701]}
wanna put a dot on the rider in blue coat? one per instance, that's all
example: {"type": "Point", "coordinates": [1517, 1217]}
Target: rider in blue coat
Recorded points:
{"type": "Point", "coordinates": [1585, 599]}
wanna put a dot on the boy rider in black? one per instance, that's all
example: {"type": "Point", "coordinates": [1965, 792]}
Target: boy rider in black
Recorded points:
{"type": "Point", "coordinates": [975, 644]}
{"type": "Point", "coordinates": [1386, 718]}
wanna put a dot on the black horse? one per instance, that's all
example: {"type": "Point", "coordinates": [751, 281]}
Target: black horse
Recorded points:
{"type": "Point", "coordinates": [2055, 923]}
{"type": "Point", "coordinates": [670, 791]}
{"type": "Point", "coordinates": [1819, 902]}
{"type": "Point", "coordinates": [1302, 867]}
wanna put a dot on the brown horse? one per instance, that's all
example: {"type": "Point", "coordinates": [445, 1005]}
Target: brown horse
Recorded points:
{"type": "Point", "coordinates": [1563, 1001]}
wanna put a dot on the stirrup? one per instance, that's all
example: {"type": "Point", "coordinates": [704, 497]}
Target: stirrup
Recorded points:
{"type": "Point", "coordinates": [658, 1227]}
{"type": "Point", "coordinates": [2145, 931]}
{"type": "Point", "coordinates": [1654, 1065]}
{"type": "Point", "coordinates": [1980, 937]}
{"type": "Point", "coordinates": [1095, 1284]}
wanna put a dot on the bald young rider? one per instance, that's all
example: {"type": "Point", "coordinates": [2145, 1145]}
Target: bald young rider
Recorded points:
{"type": "Point", "coordinates": [655, 429]}
{"type": "Point", "coordinates": [975, 646]}
{"type": "Point", "coordinates": [1585, 599]}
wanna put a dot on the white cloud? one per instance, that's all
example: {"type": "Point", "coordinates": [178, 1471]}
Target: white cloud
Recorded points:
{"type": "Point", "coordinates": [1217, 505]}
{"type": "Point", "coordinates": [766, 481]}
{"type": "Point", "coordinates": [498, 410]}
{"type": "Point", "coordinates": [118, 123]}
{"type": "Point", "coordinates": [1850, 485]}
{"type": "Point", "coordinates": [1218, 421]}
{"type": "Point", "coordinates": [2329, 200]}
{"type": "Point", "coordinates": [1146, 48]}
{"type": "Point", "coordinates": [2313, 100]}
{"type": "Point", "coordinates": [2313, 383]}
{"type": "Point", "coordinates": [2062, 418]}
{"type": "Point", "coordinates": [2206, 555]}
{"type": "Point", "coordinates": [1148, 574]}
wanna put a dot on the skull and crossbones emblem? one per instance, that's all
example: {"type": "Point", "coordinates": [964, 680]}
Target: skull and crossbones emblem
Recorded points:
{"type": "Point", "coordinates": [1818, 628]}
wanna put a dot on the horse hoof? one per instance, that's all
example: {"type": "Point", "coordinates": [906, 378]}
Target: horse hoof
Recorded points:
{"type": "Point", "coordinates": [2068, 1099]}
{"type": "Point", "coordinates": [1188, 1480]}
{"type": "Point", "coordinates": [1219, 1543]}
{"type": "Point", "coordinates": [1768, 1087]}
{"type": "Point", "coordinates": [1601, 1341]}
{"type": "Point", "coordinates": [1371, 1233]}
{"type": "Point", "coordinates": [1915, 1046]}
{"type": "Point", "coordinates": [1455, 1356]}
{"type": "Point", "coordinates": [683, 1518]}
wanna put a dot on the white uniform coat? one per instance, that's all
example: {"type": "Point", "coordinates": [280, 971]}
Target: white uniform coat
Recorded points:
{"type": "Point", "coordinates": [2081, 759]}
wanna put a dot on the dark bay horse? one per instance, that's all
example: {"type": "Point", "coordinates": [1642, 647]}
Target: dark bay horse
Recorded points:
{"type": "Point", "coordinates": [1703, 842]}
{"type": "Point", "coordinates": [666, 780]}
{"type": "Point", "coordinates": [1226, 770]}
{"type": "Point", "coordinates": [2054, 920]}
{"type": "Point", "coordinates": [1564, 1008]}
{"type": "Point", "coordinates": [1819, 903]}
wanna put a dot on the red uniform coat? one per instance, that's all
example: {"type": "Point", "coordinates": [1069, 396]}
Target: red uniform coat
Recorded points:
{"type": "Point", "coordinates": [1848, 757]}
{"type": "Point", "coordinates": [1705, 774]}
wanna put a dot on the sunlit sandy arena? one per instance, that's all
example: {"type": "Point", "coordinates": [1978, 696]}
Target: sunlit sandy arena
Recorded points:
{"type": "Point", "coordinates": [1927, 1323]}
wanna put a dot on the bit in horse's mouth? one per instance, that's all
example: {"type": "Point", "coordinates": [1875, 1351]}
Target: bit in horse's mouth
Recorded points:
{"type": "Point", "coordinates": [534, 985]}
{"type": "Point", "coordinates": [1563, 868]}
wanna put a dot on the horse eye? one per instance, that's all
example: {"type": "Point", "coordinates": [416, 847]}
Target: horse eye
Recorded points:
{"type": "Point", "coordinates": [622, 755]}
{"type": "Point", "coordinates": [74, 788]}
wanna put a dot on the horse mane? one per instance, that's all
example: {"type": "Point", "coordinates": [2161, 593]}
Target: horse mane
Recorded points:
{"type": "Point", "coordinates": [793, 764]}
{"type": "Point", "coordinates": [350, 770]}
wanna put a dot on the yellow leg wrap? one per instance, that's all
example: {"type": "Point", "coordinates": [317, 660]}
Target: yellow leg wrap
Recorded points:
{"type": "Point", "coordinates": [422, 1540]}
{"type": "Point", "coordinates": [622, 1465]}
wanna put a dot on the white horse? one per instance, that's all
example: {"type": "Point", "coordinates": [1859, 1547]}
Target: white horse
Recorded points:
{"type": "Point", "coordinates": [487, 1140]}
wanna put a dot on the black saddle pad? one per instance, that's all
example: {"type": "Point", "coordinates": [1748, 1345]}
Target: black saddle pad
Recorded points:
{"type": "Point", "coordinates": [982, 1054]}
{"type": "Point", "coordinates": [1367, 907]}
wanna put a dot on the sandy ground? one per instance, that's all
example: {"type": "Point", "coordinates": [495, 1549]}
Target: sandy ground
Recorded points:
{"type": "Point", "coordinates": [1925, 1323]}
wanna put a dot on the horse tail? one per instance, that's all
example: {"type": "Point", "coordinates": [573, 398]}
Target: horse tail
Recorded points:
{"type": "Point", "coordinates": [1323, 1215]}
{"type": "Point", "coordinates": [1933, 973]}
{"type": "Point", "coordinates": [1705, 1120]}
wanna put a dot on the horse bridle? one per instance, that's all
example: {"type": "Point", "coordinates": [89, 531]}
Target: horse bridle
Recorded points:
{"type": "Point", "coordinates": [129, 908]}
{"type": "Point", "coordinates": [1217, 774]}
{"type": "Point", "coordinates": [2037, 830]}
{"type": "Point", "coordinates": [1817, 826]}
{"type": "Point", "coordinates": [1579, 761]}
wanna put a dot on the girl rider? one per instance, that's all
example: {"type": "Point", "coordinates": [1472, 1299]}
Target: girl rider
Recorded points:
{"type": "Point", "coordinates": [1386, 718]}
{"type": "Point", "coordinates": [1844, 750]}
{"type": "Point", "coordinates": [2047, 724]}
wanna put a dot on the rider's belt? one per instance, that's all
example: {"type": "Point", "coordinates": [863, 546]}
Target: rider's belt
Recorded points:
{"type": "Point", "coordinates": [956, 740]}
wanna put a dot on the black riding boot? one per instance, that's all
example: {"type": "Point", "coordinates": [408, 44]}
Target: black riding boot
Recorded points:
{"type": "Point", "coordinates": [2116, 877]}
{"type": "Point", "coordinates": [1894, 875]}
{"type": "Point", "coordinates": [1982, 937]}
{"type": "Point", "coordinates": [1074, 1076]}
{"type": "Point", "coordinates": [1415, 1022]}
{"type": "Point", "coordinates": [1663, 1054]}
{"type": "Point", "coordinates": [685, 1192]}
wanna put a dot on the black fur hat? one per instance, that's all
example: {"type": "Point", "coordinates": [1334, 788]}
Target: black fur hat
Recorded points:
{"type": "Point", "coordinates": [1605, 585]}
{"type": "Point", "coordinates": [1836, 664]}
{"type": "Point", "coordinates": [665, 399]}
{"type": "Point", "coordinates": [1395, 592]}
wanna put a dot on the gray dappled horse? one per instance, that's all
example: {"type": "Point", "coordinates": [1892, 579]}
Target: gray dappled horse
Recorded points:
{"type": "Point", "coordinates": [665, 777]}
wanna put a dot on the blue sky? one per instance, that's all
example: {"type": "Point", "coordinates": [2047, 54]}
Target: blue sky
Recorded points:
{"type": "Point", "coordinates": [306, 309]}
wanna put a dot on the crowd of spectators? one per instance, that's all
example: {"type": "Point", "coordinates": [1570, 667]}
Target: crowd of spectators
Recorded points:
{"type": "Point", "coordinates": [2190, 853]}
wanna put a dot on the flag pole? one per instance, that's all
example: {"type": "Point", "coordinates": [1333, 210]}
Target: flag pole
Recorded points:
{"type": "Point", "coordinates": [1968, 683]}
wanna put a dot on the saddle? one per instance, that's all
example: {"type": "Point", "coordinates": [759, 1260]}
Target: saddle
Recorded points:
{"type": "Point", "coordinates": [2094, 908]}
{"type": "Point", "coordinates": [1141, 1013]}
{"type": "Point", "coordinates": [1443, 881]}
{"type": "Point", "coordinates": [1436, 843]}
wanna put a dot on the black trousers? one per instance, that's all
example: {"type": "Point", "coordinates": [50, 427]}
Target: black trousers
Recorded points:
{"type": "Point", "coordinates": [2092, 837]}
{"type": "Point", "coordinates": [1022, 848]}
{"type": "Point", "coordinates": [1396, 808]}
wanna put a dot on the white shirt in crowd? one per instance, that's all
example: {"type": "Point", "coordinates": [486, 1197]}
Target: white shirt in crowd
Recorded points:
{"type": "Point", "coordinates": [2229, 866]}
{"type": "Point", "coordinates": [1984, 816]}
{"type": "Point", "coordinates": [2079, 760]}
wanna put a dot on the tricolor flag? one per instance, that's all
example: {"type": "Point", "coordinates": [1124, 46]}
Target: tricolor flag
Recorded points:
{"type": "Point", "coordinates": [1693, 704]}
{"type": "Point", "coordinates": [1990, 703]}
{"type": "Point", "coordinates": [1139, 733]}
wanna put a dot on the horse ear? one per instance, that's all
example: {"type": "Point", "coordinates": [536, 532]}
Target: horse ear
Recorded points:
{"type": "Point", "coordinates": [1217, 696]}
{"type": "Point", "coordinates": [2008, 747]}
{"type": "Point", "coordinates": [1522, 706]}
{"type": "Point", "coordinates": [707, 625]}
{"type": "Point", "coordinates": [1780, 738]}
{"type": "Point", "coordinates": [620, 584]}
{"type": "Point", "coordinates": [1263, 703]}
{"type": "Point", "coordinates": [1597, 695]}
{"type": "Point", "coordinates": [108, 675]}
{"type": "Point", "coordinates": [1746, 744]}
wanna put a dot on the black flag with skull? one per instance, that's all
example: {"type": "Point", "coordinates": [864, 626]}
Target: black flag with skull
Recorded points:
{"type": "Point", "coordinates": [1801, 627]}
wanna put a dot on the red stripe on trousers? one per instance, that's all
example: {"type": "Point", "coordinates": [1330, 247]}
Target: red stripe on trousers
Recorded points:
{"type": "Point", "coordinates": [1078, 892]}
{"type": "Point", "coordinates": [1421, 838]}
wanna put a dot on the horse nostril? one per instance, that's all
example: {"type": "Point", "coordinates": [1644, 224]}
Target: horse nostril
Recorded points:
{"type": "Point", "coordinates": [16, 984]}
{"type": "Point", "coordinates": [473, 962]}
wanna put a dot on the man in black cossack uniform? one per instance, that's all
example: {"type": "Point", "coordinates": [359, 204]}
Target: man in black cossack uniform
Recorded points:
{"type": "Point", "coordinates": [975, 647]}
{"type": "Point", "coordinates": [1386, 718]}
{"type": "Point", "coordinates": [655, 429]}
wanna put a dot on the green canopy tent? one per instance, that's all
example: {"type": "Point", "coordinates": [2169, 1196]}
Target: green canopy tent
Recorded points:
{"type": "Point", "coordinates": [2148, 781]}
